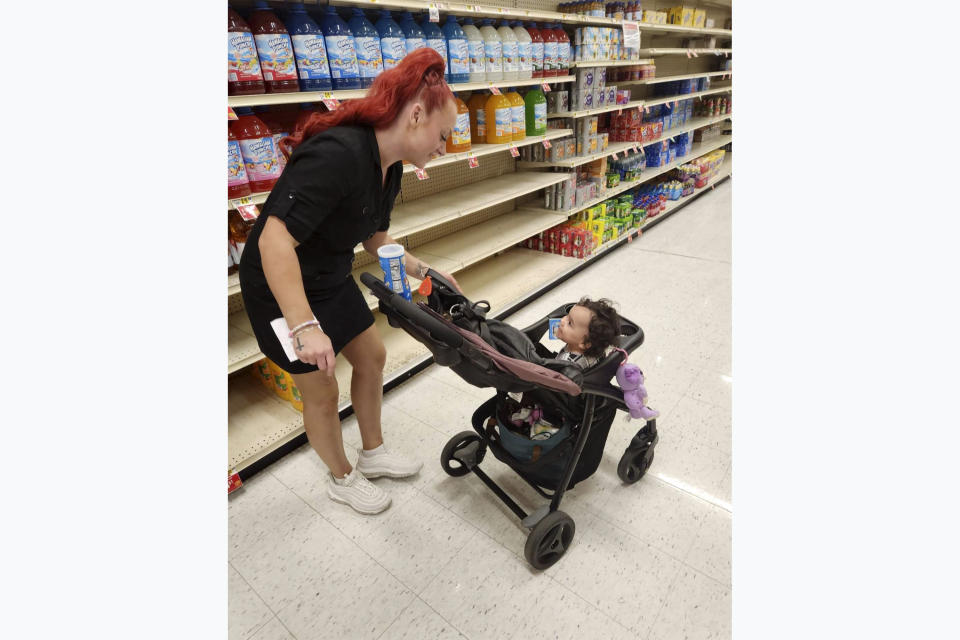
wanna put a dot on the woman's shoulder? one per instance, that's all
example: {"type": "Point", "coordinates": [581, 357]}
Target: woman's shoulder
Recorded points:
{"type": "Point", "coordinates": [352, 139]}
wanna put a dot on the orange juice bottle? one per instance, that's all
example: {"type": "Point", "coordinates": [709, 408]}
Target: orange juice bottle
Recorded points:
{"type": "Point", "coordinates": [518, 114]}
{"type": "Point", "coordinates": [459, 139]}
{"type": "Point", "coordinates": [478, 117]}
{"type": "Point", "coordinates": [281, 381]}
{"type": "Point", "coordinates": [499, 112]}
{"type": "Point", "coordinates": [296, 399]}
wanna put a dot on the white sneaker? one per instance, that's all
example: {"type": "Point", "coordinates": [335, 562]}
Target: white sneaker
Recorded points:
{"type": "Point", "coordinates": [358, 492]}
{"type": "Point", "coordinates": [387, 464]}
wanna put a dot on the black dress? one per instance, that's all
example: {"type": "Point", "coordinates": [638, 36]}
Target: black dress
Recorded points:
{"type": "Point", "coordinates": [331, 197]}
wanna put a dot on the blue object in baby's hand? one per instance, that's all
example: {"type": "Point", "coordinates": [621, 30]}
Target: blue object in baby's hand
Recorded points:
{"type": "Point", "coordinates": [554, 323]}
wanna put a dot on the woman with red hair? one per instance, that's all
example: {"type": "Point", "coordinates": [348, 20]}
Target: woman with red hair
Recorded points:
{"type": "Point", "coordinates": [337, 190]}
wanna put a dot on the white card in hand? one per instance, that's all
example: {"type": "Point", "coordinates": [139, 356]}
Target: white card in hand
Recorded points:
{"type": "Point", "coordinates": [282, 330]}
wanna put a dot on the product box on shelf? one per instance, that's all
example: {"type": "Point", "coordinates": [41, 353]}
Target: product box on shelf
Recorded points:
{"type": "Point", "coordinates": [682, 16]}
{"type": "Point", "coordinates": [699, 18]}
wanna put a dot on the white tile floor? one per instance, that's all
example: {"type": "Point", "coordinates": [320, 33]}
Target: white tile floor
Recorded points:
{"type": "Point", "coordinates": [649, 561]}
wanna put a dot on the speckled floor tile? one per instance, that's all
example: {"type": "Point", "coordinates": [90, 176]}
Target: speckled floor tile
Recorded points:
{"type": "Point", "coordinates": [702, 422]}
{"type": "Point", "coordinates": [560, 614]}
{"type": "Point", "coordinates": [712, 388]}
{"type": "Point", "coordinates": [711, 550]}
{"type": "Point", "coordinates": [685, 462]}
{"type": "Point", "coordinates": [273, 630]}
{"type": "Point", "coordinates": [419, 621]}
{"type": "Point", "coordinates": [437, 404]}
{"type": "Point", "coordinates": [697, 608]}
{"type": "Point", "coordinates": [256, 509]}
{"type": "Point", "coordinates": [246, 611]}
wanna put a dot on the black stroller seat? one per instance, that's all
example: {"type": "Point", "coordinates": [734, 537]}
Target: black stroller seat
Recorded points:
{"type": "Point", "coordinates": [490, 353]}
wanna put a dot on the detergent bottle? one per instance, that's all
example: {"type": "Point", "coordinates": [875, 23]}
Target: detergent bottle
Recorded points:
{"type": "Point", "coordinates": [524, 46]}
{"type": "Point", "coordinates": [238, 185]}
{"type": "Point", "coordinates": [550, 51]}
{"type": "Point", "coordinates": [458, 58]}
{"type": "Point", "coordinates": [511, 51]}
{"type": "Point", "coordinates": [536, 49]}
{"type": "Point", "coordinates": [243, 65]}
{"type": "Point", "coordinates": [493, 51]}
{"type": "Point", "coordinates": [309, 50]}
{"type": "Point", "coordinates": [478, 117]}
{"type": "Point", "coordinates": [341, 51]}
{"type": "Point", "coordinates": [535, 108]}
{"type": "Point", "coordinates": [412, 32]}
{"type": "Point", "coordinates": [274, 49]}
{"type": "Point", "coordinates": [393, 43]}
{"type": "Point", "coordinates": [367, 40]}
{"type": "Point", "coordinates": [499, 119]}
{"type": "Point", "coordinates": [517, 115]}
{"type": "Point", "coordinates": [257, 148]}
{"type": "Point", "coordinates": [436, 41]}
{"type": "Point", "coordinates": [478, 68]}
{"type": "Point", "coordinates": [459, 139]}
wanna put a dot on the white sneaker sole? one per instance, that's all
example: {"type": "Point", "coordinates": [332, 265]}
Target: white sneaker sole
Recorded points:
{"type": "Point", "coordinates": [387, 474]}
{"type": "Point", "coordinates": [366, 512]}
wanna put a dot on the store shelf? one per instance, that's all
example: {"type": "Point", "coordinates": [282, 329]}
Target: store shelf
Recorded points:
{"type": "Point", "coordinates": [689, 76]}
{"type": "Point", "coordinates": [650, 102]}
{"type": "Point", "coordinates": [593, 112]}
{"type": "Point", "coordinates": [242, 347]}
{"type": "Point", "coordinates": [672, 28]}
{"type": "Point", "coordinates": [608, 63]}
{"type": "Point", "coordinates": [256, 198]}
{"type": "Point", "coordinates": [479, 150]}
{"type": "Point", "coordinates": [299, 97]}
{"type": "Point", "coordinates": [233, 284]}
{"type": "Point", "coordinates": [654, 53]}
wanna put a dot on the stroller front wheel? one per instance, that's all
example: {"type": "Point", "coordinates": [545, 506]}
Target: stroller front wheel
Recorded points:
{"type": "Point", "coordinates": [461, 444]}
{"type": "Point", "coordinates": [634, 464]}
{"type": "Point", "coordinates": [549, 540]}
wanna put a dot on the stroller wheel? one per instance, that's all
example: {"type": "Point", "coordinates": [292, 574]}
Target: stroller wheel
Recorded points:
{"type": "Point", "coordinates": [549, 540]}
{"type": "Point", "coordinates": [634, 464]}
{"type": "Point", "coordinates": [454, 465]}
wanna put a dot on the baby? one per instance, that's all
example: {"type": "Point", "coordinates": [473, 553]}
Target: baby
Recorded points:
{"type": "Point", "coordinates": [588, 330]}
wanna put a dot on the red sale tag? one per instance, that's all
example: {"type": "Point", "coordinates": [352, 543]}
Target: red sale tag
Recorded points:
{"type": "Point", "coordinates": [514, 151]}
{"type": "Point", "coordinates": [231, 115]}
{"type": "Point", "coordinates": [474, 162]}
{"type": "Point", "coordinates": [546, 88]}
{"type": "Point", "coordinates": [233, 483]}
{"type": "Point", "coordinates": [248, 212]}
{"type": "Point", "coordinates": [331, 104]}
{"type": "Point", "coordinates": [495, 91]}
{"type": "Point", "coordinates": [546, 144]}
{"type": "Point", "coordinates": [421, 174]}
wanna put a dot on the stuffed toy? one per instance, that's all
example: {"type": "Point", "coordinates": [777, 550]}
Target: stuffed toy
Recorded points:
{"type": "Point", "coordinates": [630, 379]}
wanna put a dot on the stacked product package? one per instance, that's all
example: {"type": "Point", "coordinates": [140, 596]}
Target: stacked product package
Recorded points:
{"type": "Point", "coordinates": [592, 44]}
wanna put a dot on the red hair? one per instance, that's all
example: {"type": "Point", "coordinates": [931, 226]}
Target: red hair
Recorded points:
{"type": "Point", "coordinates": [419, 75]}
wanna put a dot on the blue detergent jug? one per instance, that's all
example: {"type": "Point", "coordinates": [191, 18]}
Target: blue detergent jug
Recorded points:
{"type": "Point", "coordinates": [436, 41]}
{"type": "Point", "coordinates": [309, 49]}
{"type": "Point", "coordinates": [341, 51]}
{"type": "Point", "coordinates": [457, 52]}
{"type": "Point", "coordinates": [412, 32]}
{"type": "Point", "coordinates": [393, 42]}
{"type": "Point", "coordinates": [367, 39]}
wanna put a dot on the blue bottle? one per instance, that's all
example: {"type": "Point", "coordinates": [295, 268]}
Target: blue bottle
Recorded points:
{"type": "Point", "coordinates": [309, 49]}
{"type": "Point", "coordinates": [412, 32]}
{"type": "Point", "coordinates": [341, 51]}
{"type": "Point", "coordinates": [436, 41]}
{"type": "Point", "coordinates": [458, 55]}
{"type": "Point", "coordinates": [393, 42]}
{"type": "Point", "coordinates": [367, 40]}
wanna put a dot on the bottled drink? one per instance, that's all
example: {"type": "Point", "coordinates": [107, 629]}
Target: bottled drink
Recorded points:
{"type": "Point", "coordinates": [550, 51]}
{"type": "Point", "coordinates": [459, 139]}
{"type": "Point", "coordinates": [535, 112]}
{"type": "Point", "coordinates": [493, 51]}
{"type": "Point", "coordinates": [238, 185]}
{"type": "Point", "coordinates": [393, 42]}
{"type": "Point", "coordinates": [257, 148]}
{"type": "Point", "coordinates": [436, 41]}
{"type": "Point", "coordinates": [475, 51]}
{"type": "Point", "coordinates": [478, 117]}
{"type": "Point", "coordinates": [367, 41]}
{"type": "Point", "coordinates": [499, 119]}
{"type": "Point", "coordinates": [414, 35]}
{"type": "Point", "coordinates": [511, 52]}
{"type": "Point", "coordinates": [341, 51]}
{"type": "Point", "coordinates": [536, 49]}
{"type": "Point", "coordinates": [309, 50]}
{"type": "Point", "coordinates": [275, 50]}
{"type": "Point", "coordinates": [517, 115]}
{"type": "Point", "coordinates": [458, 58]}
{"type": "Point", "coordinates": [243, 65]}
{"type": "Point", "coordinates": [525, 46]}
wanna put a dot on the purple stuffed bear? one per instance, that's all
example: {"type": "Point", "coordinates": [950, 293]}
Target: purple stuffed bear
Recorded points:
{"type": "Point", "coordinates": [630, 379]}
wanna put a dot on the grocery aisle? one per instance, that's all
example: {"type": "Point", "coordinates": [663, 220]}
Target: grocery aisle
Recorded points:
{"type": "Point", "coordinates": [651, 560]}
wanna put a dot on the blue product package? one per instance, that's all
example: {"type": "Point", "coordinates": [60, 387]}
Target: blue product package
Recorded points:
{"type": "Point", "coordinates": [309, 50]}
{"type": "Point", "coordinates": [458, 51]}
{"type": "Point", "coordinates": [414, 34]}
{"type": "Point", "coordinates": [393, 43]}
{"type": "Point", "coordinates": [367, 39]}
{"type": "Point", "coordinates": [554, 323]}
{"type": "Point", "coordinates": [436, 41]}
{"type": "Point", "coordinates": [394, 272]}
{"type": "Point", "coordinates": [341, 51]}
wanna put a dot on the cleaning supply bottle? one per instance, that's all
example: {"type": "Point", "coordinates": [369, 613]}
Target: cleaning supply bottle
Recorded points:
{"type": "Point", "coordinates": [535, 108]}
{"type": "Point", "coordinates": [511, 53]}
{"type": "Point", "coordinates": [257, 148]}
{"type": "Point", "coordinates": [563, 50]}
{"type": "Point", "coordinates": [478, 117]}
{"type": "Point", "coordinates": [524, 46]}
{"type": "Point", "coordinates": [341, 51]}
{"type": "Point", "coordinates": [458, 64]}
{"type": "Point", "coordinates": [493, 51]}
{"type": "Point", "coordinates": [536, 49]}
{"type": "Point", "coordinates": [517, 115]}
{"type": "Point", "coordinates": [275, 50]}
{"type": "Point", "coordinates": [459, 139]}
{"type": "Point", "coordinates": [243, 66]}
{"type": "Point", "coordinates": [238, 185]}
{"type": "Point", "coordinates": [436, 41]}
{"type": "Point", "coordinates": [412, 32]}
{"type": "Point", "coordinates": [478, 68]}
{"type": "Point", "coordinates": [309, 50]}
{"type": "Point", "coordinates": [393, 42]}
{"type": "Point", "coordinates": [550, 51]}
{"type": "Point", "coordinates": [499, 119]}
{"type": "Point", "coordinates": [367, 40]}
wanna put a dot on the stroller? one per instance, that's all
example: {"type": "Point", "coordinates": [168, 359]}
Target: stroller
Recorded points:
{"type": "Point", "coordinates": [582, 402]}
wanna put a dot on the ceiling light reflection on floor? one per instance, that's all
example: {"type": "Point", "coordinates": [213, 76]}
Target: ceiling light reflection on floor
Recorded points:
{"type": "Point", "coordinates": [696, 491]}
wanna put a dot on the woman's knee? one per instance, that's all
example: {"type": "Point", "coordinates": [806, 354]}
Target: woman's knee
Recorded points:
{"type": "Point", "coordinates": [318, 390]}
{"type": "Point", "coordinates": [366, 353]}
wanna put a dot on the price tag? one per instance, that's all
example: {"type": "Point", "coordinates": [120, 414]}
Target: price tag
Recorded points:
{"type": "Point", "coordinates": [473, 161]}
{"type": "Point", "coordinates": [514, 151]}
{"type": "Point", "coordinates": [635, 149]}
{"type": "Point", "coordinates": [233, 483]}
{"type": "Point", "coordinates": [546, 88]}
{"type": "Point", "coordinates": [326, 95]}
{"type": "Point", "coordinates": [248, 212]}
{"type": "Point", "coordinates": [495, 91]}
{"type": "Point", "coordinates": [331, 104]}
{"type": "Point", "coordinates": [631, 35]}
{"type": "Point", "coordinates": [646, 109]}
{"type": "Point", "coordinates": [726, 54]}
{"type": "Point", "coordinates": [630, 237]}
{"type": "Point", "coordinates": [421, 174]}
{"type": "Point", "coordinates": [434, 13]}
{"type": "Point", "coordinates": [695, 55]}
{"type": "Point", "coordinates": [619, 112]}
{"type": "Point", "coordinates": [231, 115]}
{"type": "Point", "coordinates": [689, 55]}
{"type": "Point", "coordinates": [546, 144]}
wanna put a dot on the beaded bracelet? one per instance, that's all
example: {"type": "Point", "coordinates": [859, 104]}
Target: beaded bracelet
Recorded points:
{"type": "Point", "coordinates": [304, 325]}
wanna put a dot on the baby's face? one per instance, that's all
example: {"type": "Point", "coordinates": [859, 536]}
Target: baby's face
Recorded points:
{"type": "Point", "coordinates": [574, 328]}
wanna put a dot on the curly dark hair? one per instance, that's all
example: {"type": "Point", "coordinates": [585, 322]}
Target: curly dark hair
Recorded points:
{"type": "Point", "coordinates": [604, 326]}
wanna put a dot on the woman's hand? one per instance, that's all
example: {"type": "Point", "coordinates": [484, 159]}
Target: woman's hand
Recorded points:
{"type": "Point", "coordinates": [452, 280]}
{"type": "Point", "coordinates": [314, 347]}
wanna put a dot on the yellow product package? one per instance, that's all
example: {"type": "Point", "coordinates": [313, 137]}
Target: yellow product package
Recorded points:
{"type": "Point", "coordinates": [699, 18]}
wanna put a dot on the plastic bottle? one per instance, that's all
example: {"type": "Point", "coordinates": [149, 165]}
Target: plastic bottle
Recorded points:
{"type": "Point", "coordinates": [257, 148]}
{"type": "Point", "coordinates": [308, 49]}
{"type": "Point", "coordinates": [563, 50]}
{"type": "Point", "coordinates": [499, 119]}
{"type": "Point", "coordinates": [536, 49]}
{"type": "Point", "coordinates": [239, 231]}
{"type": "Point", "coordinates": [535, 112]}
{"type": "Point", "coordinates": [275, 50]}
{"type": "Point", "coordinates": [550, 51]}
{"type": "Point", "coordinates": [393, 42]}
{"type": "Point", "coordinates": [475, 51]}
{"type": "Point", "coordinates": [525, 46]}
{"type": "Point", "coordinates": [478, 117]}
{"type": "Point", "coordinates": [517, 115]}
{"type": "Point", "coordinates": [243, 65]}
{"type": "Point", "coordinates": [367, 40]}
{"type": "Point", "coordinates": [341, 51]}
{"type": "Point", "coordinates": [511, 51]}
{"type": "Point", "coordinates": [412, 32]}
{"type": "Point", "coordinates": [458, 58]}
{"type": "Point", "coordinates": [493, 51]}
{"type": "Point", "coordinates": [307, 109]}
{"type": "Point", "coordinates": [238, 185]}
{"type": "Point", "coordinates": [278, 129]}
{"type": "Point", "coordinates": [459, 139]}
{"type": "Point", "coordinates": [436, 41]}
